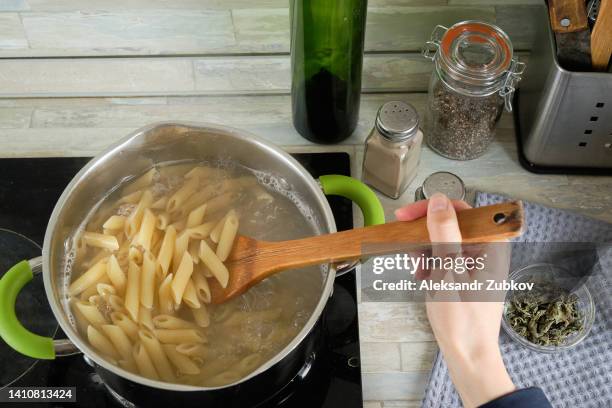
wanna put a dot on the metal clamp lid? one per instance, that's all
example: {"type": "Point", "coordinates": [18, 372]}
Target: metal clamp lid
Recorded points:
{"type": "Point", "coordinates": [476, 57]}
{"type": "Point", "coordinates": [430, 49]}
{"type": "Point", "coordinates": [513, 76]}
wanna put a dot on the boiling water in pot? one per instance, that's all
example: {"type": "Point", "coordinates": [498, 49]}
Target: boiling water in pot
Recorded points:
{"type": "Point", "coordinates": [149, 313]}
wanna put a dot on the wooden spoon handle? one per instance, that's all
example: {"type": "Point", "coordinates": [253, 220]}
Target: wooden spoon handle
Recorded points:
{"type": "Point", "coordinates": [601, 38]}
{"type": "Point", "coordinates": [483, 224]}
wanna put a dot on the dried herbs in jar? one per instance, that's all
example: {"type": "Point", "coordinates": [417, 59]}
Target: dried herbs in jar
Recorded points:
{"type": "Point", "coordinates": [545, 317]}
{"type": "Point", "coordinates": [474, 77]}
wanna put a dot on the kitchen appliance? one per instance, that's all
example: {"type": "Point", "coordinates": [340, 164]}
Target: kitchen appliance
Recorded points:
{"type": "Point", "coordinates": [30, 188]}
{"type": "Point", "coordinates": [564, 119]}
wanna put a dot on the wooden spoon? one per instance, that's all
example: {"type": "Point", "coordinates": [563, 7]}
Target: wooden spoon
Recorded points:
{"type": "Point", "coordinates": [252, 261]}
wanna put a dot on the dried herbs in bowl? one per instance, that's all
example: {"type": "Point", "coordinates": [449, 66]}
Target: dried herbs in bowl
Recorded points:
{"type": "Point", "coordinates": [545, 317]}
{"type": "Point", "coordinates": [549, 317]}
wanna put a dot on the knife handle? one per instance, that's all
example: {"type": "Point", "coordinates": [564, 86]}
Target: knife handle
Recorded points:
{"type": "Point", "coordinates": [567, 16]}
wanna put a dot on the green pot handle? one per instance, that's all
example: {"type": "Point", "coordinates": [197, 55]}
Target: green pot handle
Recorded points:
{"type": "Point", "coordinates": [359, 193]}
{"type": "Point", "coordinates": [11, 330]}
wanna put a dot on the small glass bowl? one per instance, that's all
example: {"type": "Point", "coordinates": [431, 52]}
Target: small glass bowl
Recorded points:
{"type": "Point", "coordinates": [548, 273]}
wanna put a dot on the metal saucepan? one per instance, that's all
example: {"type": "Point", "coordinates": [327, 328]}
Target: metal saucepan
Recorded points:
{"type": "Point", "coordinates": [132, 156]}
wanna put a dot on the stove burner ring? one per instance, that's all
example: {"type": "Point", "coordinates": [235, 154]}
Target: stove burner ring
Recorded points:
{"type": "Point", "coordinates": [122, 401]}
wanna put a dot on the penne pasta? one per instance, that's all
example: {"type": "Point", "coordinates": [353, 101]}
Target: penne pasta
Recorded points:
{"type": "Point", "coordinates": [116, 274]}
{"type": "Point", "coordinates": [166, 303]}
{"type": "Point", "coordinates": [105, 290]}
{"type": "Point", "coordinates": [201, 317]}
{"type": "Point", "coordinates": [80, 319]}
{"type": "Point", "coordinates": [160, 204]}
{"type": "Point", "coordinates": [135, 255]}
{"type": "Point", "coordinates": [147, 226]}
{"type": "Point", "coordinates": [144, 363]}
{"type": "Point", "coordinates": [164, 321]}
{"type": "Point", "coordinates": [141, 182]}
{"type": "Point", "coordinates": [182, 363]}
{"type": "Point", "coordinates": [156, 241]}
{"type": "Point", "coordinates": [190, 298]}
{"type": "Point", "coordinates": [101, 343]}
{"type": "Point", "coordinates": [116, 303]}
{"type": "Point", "coordinates": [132, 291]}
{"type": "Point", "coordinates": [179, 226]}
{"type": "Point", "coordinates": [131, 198]}
{"type": "Point", "coordinates": [201, 287]}
{"type": "Point", "coordinates": [96, 300]}
{"type": "Point", "coordinates": [201, 231]}
{"type": "Point", "coordinates": [101, 255]}
{"type": "Point", "coordinates": [127, 325]}
{"type": "Point", "coordinates": [192, 349]}
{"type": "Point", "coordinates": [176, 170]}
{"type": "Point", "coordinates": [197, 199]}
{"type": "Point", "coordinates": [221, 202]}
{"type": "Point", "coordinates": [182, 278]}
{"type": "Point", "coordinates": [212, 262]}
{"type": "Point", "coordinates": [194, 249]}
{"type": "Point", "coordinates": [196, 216]}
{"type": "Point", "coordinates": [90, 312]}
{"type": "Point", "coordinates": [147, 280]}
{"type": "Point", "coordinates": [132, 224]}
{"type": "Point", "coordinates": [157, 354]}
{"type": "Point", "coordinates": [179, 336]}
{"type": "Point", "coordinates": [202, 172]}
{"type": "Point", "coordinates": [248, 364]}
{"type": "Point", "coordinates": [90, 291]}
{"type": "Point", "coordinates": [206, 272]}
{"type": "Point", "coordinates": [182, 194]}
{"type": "Point", "coordinates": [93, 239]}
{"type": "Point", "coordinates": [215, 233]}
{"type": "Point", "coordinates": [180, 248]}
{"type": "Point", "coordinates": [129, 364]}
{"type": "Point", "coordinates": [166, 251]}
{"type": "Point", "coordinates": [145, 318]}
{"type": "Point", "coordinates": [163, 220]}
{"type": "Point", "coordinates": [140, 292]}
{"type": "Point", "coordinates": [92, 276]}
{"type": "Point", "coordinates": [119, 339]}
{"type": "Point", "coordinates": [115, 222]}
{"type": "Point", "coordinates": [227, 236]}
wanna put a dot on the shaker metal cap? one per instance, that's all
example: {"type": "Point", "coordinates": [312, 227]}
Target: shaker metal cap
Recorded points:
{"type": "Point", "coordinates": [397, 121]}
{"type": "Point", "coordinates": [446, 183]}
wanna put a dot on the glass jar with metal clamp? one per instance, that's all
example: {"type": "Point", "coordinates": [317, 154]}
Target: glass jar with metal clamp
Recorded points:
{"type": "Point", "coordinates": [474, 77]}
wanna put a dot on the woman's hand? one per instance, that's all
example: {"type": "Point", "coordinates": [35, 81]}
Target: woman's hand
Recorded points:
{"type": "Point", "coordinates": [466, 331]}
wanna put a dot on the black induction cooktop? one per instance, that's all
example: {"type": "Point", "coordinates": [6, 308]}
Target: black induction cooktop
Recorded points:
{"type": "Point", "coordinates": [29, 189]}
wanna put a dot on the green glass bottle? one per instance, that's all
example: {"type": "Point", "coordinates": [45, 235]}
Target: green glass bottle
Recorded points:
{"type": "Point", "coordinates": [326, 60]}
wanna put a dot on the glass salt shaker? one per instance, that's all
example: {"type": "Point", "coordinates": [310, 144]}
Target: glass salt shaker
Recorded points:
{"type": "Point", "coordinates": [393, 149]}
{"type": "Point", "coordinates": [474, 77]}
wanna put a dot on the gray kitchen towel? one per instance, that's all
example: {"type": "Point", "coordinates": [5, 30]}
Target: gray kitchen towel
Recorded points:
{"type": "Point", "coordinates": [579, 377]}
